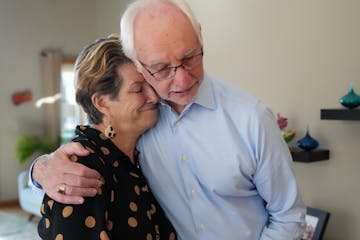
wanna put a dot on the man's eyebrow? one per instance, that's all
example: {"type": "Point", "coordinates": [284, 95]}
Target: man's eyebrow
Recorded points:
{"type": "Point", "coordinates": [190, 52]}
{"type": "Point", "coordinates": [161, 64]}
{"type": "Point", "coordinates": [156, 65]}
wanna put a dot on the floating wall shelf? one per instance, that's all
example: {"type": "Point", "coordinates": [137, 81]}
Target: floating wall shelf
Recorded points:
{"type": "Point", "coordinates": [300, 155]}
{"type": "Point", "coordinates": [340, 114]}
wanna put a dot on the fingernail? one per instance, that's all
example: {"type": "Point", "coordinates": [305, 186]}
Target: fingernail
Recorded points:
{"type": "Point", "coordinates": [81, 200]}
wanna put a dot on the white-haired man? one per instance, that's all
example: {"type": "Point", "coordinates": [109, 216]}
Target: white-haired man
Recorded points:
{"type": "Point", "coordinates": [215, 160]}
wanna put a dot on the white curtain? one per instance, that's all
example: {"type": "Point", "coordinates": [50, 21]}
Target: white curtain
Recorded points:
{"type": "Point", "coordinates": [51, 60]}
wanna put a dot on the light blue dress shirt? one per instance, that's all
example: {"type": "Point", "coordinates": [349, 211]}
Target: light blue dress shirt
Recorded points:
{"type": "Point", "coordinates": [221, 169]}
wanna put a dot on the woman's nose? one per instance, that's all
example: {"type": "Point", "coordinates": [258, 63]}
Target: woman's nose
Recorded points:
{"type": "Point", "coordinates": [151, 95]}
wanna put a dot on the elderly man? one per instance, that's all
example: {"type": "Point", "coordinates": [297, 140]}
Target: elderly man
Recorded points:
{"type": "Point", "coordinates": [215, 160]}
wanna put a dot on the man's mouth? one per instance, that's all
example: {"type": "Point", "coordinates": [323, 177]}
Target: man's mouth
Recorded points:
{"type": "Point", "coordinates": [185, 91]}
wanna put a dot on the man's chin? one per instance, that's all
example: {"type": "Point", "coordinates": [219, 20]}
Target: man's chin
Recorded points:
{"type": "Point", "coordinates": [184, 97]}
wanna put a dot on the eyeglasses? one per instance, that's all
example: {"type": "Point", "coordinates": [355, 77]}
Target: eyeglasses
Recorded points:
{"type": "Point", "coordinates": [167, 73]}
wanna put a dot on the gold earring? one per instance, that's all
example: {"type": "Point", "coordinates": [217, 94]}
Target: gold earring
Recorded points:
{"type": "Point", "coordinates": [110, 132]}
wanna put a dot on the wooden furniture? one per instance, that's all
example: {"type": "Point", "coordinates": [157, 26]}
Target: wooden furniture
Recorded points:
{"type": "Point", "coordinates": [340, 114]}
{"type": "Point", "coordinates": [300, 155]}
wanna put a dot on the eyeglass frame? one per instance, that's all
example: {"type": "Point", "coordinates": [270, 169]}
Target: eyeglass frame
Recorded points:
{"type": "Point", "coordinates": [174, 68]}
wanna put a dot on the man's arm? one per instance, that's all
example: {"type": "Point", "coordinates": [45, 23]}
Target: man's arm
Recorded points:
{"type": "Point", "coordinates": [276, 183]}
{"type": "Point", "coordinates": [58, 168]}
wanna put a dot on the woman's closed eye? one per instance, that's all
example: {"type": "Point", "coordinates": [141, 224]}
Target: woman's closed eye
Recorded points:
{"type": "Point", "coordinates": [137, 90]}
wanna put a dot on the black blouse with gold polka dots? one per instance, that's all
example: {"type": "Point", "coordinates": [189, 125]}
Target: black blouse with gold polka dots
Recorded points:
{"type": "Point", "coordinates": [124, 207]}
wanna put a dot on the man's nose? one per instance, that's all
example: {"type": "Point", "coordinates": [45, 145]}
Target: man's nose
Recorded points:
{"type": "Point", "coordinates": [182, 77]}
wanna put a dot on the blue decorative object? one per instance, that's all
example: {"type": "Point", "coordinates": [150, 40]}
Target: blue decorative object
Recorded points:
{"type": "Point", "coordinates": [307, 143]}
{"type": "Point", "coordinates": [351, 99]}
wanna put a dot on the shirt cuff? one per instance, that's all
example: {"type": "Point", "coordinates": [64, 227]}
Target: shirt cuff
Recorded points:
{"type": "Point", "coordinates": [35, 186]}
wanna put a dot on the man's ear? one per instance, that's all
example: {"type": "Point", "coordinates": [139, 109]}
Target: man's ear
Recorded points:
{"type": "Point", "coordinates": [101, 103]}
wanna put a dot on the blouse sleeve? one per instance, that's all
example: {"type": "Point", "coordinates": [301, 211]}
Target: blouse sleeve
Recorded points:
{"type": "Point", "coordinates": [86, 221]}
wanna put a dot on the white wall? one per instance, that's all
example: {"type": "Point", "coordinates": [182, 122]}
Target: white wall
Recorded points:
{"type": "Point", "coordinates": [27, 27]}
{"type": "Point", "coordinates": [108, 14]}
{"type": "Point", "coordinates": [298, 57]}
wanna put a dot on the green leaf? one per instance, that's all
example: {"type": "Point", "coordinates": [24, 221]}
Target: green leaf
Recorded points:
{"type": "Point", "coordinates": [29, 145]}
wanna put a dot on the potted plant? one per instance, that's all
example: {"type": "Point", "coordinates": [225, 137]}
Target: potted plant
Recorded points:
{"type": "Point", "coordinates": [29, 145]}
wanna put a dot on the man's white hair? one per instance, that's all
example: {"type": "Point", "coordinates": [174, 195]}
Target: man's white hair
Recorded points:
{"type": "Point", "coordinates": [128, 18]}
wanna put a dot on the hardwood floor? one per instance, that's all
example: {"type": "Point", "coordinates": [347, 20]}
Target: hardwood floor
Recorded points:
{"type": "Point", "coordinates": [14, 206]}
{"type": "Point", "coordinates": [10, 205]}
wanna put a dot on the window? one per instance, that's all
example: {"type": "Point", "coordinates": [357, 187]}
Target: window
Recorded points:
{"type": "Point", "coordinates": [71, 114]}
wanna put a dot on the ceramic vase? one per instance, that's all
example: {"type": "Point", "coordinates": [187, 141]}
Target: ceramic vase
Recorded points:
{"type": "Point", "coordinates": [351, 99]}
{"type": "Point", "coordinates": [307, 143]}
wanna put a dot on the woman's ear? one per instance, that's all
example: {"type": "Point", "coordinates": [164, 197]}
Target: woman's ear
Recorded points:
{"type": "Point", "coordinates": [101, 103]}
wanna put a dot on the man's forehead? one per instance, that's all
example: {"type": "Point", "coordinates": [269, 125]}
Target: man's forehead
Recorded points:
{"type": "Point", "coordinates": [158, 46]}
{"type": "Point", "coordinates": [161, 26]}
{"type": "Point", "coordinates": [164, 54]}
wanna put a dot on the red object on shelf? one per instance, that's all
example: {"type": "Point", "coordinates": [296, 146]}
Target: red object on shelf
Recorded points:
{"type": "Point", "coordinates": [21, 97]}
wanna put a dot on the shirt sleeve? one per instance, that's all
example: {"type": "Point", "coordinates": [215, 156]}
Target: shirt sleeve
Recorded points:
{"type": "Point", "coordinates": [36, 188]}
{"type": "Point", "coordinates": [276, 182]}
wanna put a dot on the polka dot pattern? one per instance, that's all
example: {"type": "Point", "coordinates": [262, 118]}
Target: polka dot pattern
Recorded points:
{"type": "Point", "coordinates": [104, 236]}
{"type": "Point", "coordinates": [134, 175]}
{"type": "Point", "coordinates": [137, 190]}
{"type": "Point", "coordinates": [124, 207]}
{"type": "Point", "coordinates": [149, 236]}
{"type": "Point", "coordinates": [67, 211]}
{"type": "Point", "coordinates": [105, 150]}
{"type": "Point", "coordinates": [109, 225]}
{"type": "Point", "coordinates": [132, 222]}
{"type": "Point", "coordinates": [59, 237]}
{"type": "Point", "coordinates": [42, 209]}
{"type": "Point", "coordinates": [115, 164]}
{"type": "Point", "coordinates": [133, 207]}
{"type": "Point", "coordinates": [50, 203]}
{"type": "Point", "coordinates": [90, 222]}
{"type": "Point", "coordinates": [47, 223]}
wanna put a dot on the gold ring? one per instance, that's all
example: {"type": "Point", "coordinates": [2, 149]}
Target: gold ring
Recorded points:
{"type": "Point", "coordinates": [61, 188]}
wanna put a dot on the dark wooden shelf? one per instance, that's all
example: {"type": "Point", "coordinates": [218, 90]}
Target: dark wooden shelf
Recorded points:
{"type": "Point", "coordinates": [300, 155]}
{"type": "Point", "coordinates": [340, 114]}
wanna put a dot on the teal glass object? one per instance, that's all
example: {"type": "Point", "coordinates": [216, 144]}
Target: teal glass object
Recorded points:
{"type": "Point", "coordinates": [307, 143]}
{"type": "Point", "coordinates": [351, 99]}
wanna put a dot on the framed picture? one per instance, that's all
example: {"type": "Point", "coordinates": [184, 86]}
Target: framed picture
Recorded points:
{"type": "Point", "coordinates": [316, 221]}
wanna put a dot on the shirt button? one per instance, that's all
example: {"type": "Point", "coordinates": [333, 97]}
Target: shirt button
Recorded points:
{"type": "Point", "coordinates": [202, 226]}
{"type": "Point", "coordinates": [184, 157]}
{"type": "Point", "coordinates": [178, 123]}
{"type": "Point", "coordinates": [193, 192]}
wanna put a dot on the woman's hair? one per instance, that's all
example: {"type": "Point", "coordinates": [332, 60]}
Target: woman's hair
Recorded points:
{"type": "Point", "coordinates": [128, 18]}
{"type": "Point", "coordinates": [95, 73]}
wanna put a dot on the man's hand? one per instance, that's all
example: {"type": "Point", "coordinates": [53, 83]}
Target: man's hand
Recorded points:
{"type": "Point", "coordinates": [56, 169]}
